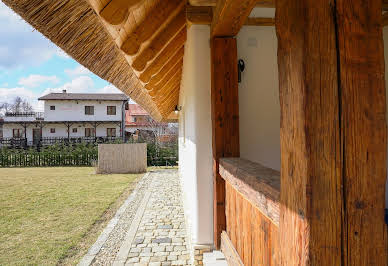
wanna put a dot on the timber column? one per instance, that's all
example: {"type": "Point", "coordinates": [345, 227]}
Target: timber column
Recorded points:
{"type": "Point", "coordinates": [225, 121]}
{"type": "Point", "coordinates": [333, 132]}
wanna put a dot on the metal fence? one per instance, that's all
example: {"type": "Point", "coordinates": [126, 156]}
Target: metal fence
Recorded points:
{"type": "Point", "coordinates": [46, 159]}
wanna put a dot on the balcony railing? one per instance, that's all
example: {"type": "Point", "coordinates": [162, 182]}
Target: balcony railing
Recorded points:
{"type": "Point", "coordinates": [36, 115]}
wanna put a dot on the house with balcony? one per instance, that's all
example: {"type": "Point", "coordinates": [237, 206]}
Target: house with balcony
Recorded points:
{"type": "Point", "coordinates": [68, 116]}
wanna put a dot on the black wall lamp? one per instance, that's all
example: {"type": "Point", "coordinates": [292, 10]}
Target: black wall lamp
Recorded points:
{"type": "Point", "coordinates": [177, 109]}
{"type": "Point", "coordinates": [240, 68]}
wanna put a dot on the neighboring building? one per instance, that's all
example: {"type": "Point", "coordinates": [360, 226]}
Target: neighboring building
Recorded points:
{"type": "Point", "coordinates": [69, 115]}
{"type": "Point", "coordinates": [139, 123]}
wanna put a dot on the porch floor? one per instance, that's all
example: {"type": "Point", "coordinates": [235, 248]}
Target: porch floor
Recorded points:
{"type": "Point", "coordinates": [152, 233]}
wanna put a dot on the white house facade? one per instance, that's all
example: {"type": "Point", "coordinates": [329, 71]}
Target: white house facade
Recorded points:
{"type": "Point", "coordinates": [69, 116]}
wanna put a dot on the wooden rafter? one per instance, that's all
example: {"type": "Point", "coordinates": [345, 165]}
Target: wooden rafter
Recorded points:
{"type": "Point", "coordinates": [259, 3]}
{"type": "Point", "coordinates": [174, 89]}
{"type": "Point", "coordinates": [169, 51]}
{"type": "Point", "coordinates": [229, 16]}
{"type": "Point", "coordinates": [176, 78]}
{"type": "Point", "coordinates": [115, 11]}
{"type": "Point", "coordinates": [159, 42]}
{"type": "Point", "coordinates": [172, 62]}
{"type": "Point", "coordinates": [203, 15]}
{"type": "Point", "coordinates": [177, 67]}
{"type": "Point", "coordinates": [385, 19]}
{"type": "Point", "coordinates": [156, 20]}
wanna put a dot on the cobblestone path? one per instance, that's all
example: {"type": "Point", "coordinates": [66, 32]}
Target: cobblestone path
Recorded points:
{"type": "Point", "coordinates": [161, 235]}
{"type": "Point", "coordinates": [151, 233]}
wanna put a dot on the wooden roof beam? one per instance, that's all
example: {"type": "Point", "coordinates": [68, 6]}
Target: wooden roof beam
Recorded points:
{"type": "Point", "coordinates": [169, 51]}
{"type": "Point", "coordinates": [259, 3]}
{"type": "Point", "coordinates": [159, 42]}
{"type": "Point", "coordinates": [172, 62]}
{"type": "Point", "coordinates": [203, 15]}
{"type": "Point", "coordinates": [116, 11]}
{"type": "Point", "coordinates": [229, 16]}
{"type": "Point", "coordinates": [156, 20]}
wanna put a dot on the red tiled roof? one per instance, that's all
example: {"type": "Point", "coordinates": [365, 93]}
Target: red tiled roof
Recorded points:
{"type": "Point", "coordinates": [135, 109]}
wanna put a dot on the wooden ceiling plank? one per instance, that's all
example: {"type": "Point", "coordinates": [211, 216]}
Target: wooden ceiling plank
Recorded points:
{"type": "Point", "coordinates": [169, 51]}
{"type": "Point", "coordinates": [159, 42]}
{"type": "Point", "coordinates": [229, 16]}
{"type": "Point", "coordinates": [156, 20]}
{"type": "Point", "coordinates": [168, 74]}
{"type": "Point", "coordinates": [172, 62]}
{"type": "Point", "coordinates": [174, 79]}
{"type": "Point", "coordinates": [116, 11]}
{"type": "Point", "coordinates": [259, 3]}
{"type": "Point", "coordinates": [172, 91]}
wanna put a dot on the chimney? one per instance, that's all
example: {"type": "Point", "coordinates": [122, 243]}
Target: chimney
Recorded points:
{"type": "Point", "coordinates": [63, 91]}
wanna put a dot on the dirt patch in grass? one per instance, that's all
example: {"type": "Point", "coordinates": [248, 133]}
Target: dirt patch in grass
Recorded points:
{"type": "Point", "coordinates": [53, 215]}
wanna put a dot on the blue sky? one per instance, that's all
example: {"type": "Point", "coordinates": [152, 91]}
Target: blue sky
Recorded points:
{"type": "Point", "coordinates": [31, 66]}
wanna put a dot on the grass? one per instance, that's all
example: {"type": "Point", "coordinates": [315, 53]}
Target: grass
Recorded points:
{"type": "Point", "coordinates": [51, 216]}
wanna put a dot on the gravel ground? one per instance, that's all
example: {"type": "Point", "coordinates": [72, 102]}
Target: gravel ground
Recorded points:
{"type": "Point", "coordinates": [111, 247]}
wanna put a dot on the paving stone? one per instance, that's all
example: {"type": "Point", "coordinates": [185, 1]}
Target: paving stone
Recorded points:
{"type": "Point", "coordinates": [165, 226]}
{"type": "Point", "coordinates": [162, 240]}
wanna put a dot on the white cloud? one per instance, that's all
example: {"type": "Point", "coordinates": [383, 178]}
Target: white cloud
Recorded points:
{"type": "Point", "coordinates": [33, 81]}
{"type": "Point", "coordinates": [78, 71]}
{"type": "Point", "coordinates": [20, 44]}
{"type": "Point", "coordinates": [109, 89]}
{"type": "Point", "coordinates": [9, 94]}
{"type": "Point", "coordinates": [82, 84]}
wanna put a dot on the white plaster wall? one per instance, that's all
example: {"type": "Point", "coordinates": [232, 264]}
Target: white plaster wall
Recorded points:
{"type": "Point", "coordinates": [195, 143]}
{"type": "Point", "coordinates": [259, 93]}
{"type": "Point", "coordinates": [71, 111]}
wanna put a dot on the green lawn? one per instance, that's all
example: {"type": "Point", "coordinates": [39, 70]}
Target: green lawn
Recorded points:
{"type": "Point", "coordinates": [51, 215]}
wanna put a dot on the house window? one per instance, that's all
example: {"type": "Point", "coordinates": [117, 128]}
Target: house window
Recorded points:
{"type": "Point", "coordinates": [17, 133]}
{"type": "Point", "coordinates": [111, 132]}
{"type": "Point", "coordinates": [89, 110]}
{"type": "Point", "coordinates": [89, 132]}
{"type": "Point", "coordinates": [75, 130]}
{"type": "Point", "coordinates": [133, 119]}
{"type": "Point", "coordinates": [111, 110]}
{"type": "Point", "coordinates": [52, 107]}
{"type": "Point", "coordinates": [52, 130]}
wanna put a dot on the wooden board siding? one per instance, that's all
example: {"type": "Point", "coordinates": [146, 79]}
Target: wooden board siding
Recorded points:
{"type": "Point", "coordinates": [225, 121]}
{"type": "Point", "coordinates": [250, 187]}
{"type": "Point", "coordinates": [333, 132]}
{"type": "Point", "coordinates": [253, 235]}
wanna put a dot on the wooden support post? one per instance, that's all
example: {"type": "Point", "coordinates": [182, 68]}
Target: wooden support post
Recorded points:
{"type": "Point", "coordinates": [333, 132]}
{"type": "Point", "coordinates": [225, 120]}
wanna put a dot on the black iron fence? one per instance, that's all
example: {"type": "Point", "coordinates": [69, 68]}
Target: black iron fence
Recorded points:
{"type": "Point", "coordinates": [22, 142]}
{"type": "Point", "coordinates": [46, 159]}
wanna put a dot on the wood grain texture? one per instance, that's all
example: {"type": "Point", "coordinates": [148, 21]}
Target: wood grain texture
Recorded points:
{"type": "Point", "coordinates": [254, 238]}
{"type": "Point", "coordinates": [225, 120]}
{"type": "Point", "coordinates": [156, 20]}
{"type": "Point", "coordinates": [363, 130]}
{"type": "Point", "coordinates": [116, 11]}
{"type": "Point", "coordinates": [229, 16]}
{"type": "Point", "coordinates": [160, 41]}
{"type": "Point", "coordinates": [169, 51]}
{"type": "Point", "coordinates": [202, 15]}
{"type": "Point", "coordinates": [311, 202]}
{"type": "Point", "coordinates": [258, 184]}
{"type": "Point", "coordinates": [229, 251]}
